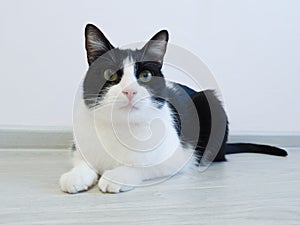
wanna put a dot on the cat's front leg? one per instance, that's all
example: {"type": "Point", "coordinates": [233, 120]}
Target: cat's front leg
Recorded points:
{"type": "Point", "coordinates": [78, 179]}
{"type": "Point", "coordinates": [120, 179]}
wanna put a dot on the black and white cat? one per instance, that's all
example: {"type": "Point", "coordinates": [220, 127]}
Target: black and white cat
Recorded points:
{"type": "Point", "coordinates": [131, 125]}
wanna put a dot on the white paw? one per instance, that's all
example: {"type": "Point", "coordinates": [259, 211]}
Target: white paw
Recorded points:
{"type": "Point", "coordinates": [80, 178]}
{"type": "Point", "coordinates": [118, 180]}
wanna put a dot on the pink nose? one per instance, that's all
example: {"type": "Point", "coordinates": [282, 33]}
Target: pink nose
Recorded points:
{"type": "Point", "coordinates": [130, 94]}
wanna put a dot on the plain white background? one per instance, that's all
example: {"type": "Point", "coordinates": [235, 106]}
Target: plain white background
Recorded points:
{"type": "Point", "coordinates": [252, 47]}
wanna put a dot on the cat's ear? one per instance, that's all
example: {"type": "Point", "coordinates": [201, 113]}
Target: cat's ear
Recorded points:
{"type": "Point", "coordinates": [155, 49]}
{"type": "Point", "coordinates": [96, 44]}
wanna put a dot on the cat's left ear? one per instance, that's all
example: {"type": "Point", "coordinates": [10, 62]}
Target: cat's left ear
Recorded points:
{"type": "Point", "coordinates": [96, 43]}
{"type": "Point", "coordinates": [155, 49]}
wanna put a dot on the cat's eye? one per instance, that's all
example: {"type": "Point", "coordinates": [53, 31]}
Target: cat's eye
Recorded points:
{"type": "Point", "coordinates": [110, 75]}
{"type": "Point", "coordinates": [145, 76]}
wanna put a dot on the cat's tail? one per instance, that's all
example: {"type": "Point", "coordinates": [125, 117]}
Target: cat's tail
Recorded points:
{"type": "Point", "coordinates": [254, 148]}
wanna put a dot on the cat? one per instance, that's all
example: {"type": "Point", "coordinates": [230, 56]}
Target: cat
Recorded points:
{"type": "Point", "coordinates": [132, 125]}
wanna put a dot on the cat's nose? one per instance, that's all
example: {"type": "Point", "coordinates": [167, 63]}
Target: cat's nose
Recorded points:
{"type": "Point", "coordinates": [129, 94]}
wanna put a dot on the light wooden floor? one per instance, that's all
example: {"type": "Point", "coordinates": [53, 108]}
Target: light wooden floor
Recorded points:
{"type": "Point", "coordinates": [248, 189]}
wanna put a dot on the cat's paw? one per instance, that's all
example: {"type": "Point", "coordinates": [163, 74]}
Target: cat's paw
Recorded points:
{"type": "Point", "coordinates": [79, 179]}
{"type": "Point", "coordinates": [118, 180]}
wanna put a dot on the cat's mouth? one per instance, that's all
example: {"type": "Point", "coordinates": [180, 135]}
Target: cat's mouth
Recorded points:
{"type": "Point", "coordinates": [129, 107]}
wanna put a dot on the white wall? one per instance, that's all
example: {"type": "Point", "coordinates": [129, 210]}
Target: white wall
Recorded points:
{"type": "Point", "coordinates": [253, 48]}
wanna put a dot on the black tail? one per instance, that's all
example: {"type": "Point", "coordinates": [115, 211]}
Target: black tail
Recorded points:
{"type": "Point", "coordinates": [254, 148]}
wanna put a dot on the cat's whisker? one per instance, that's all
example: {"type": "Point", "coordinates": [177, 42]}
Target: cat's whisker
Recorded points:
{"type": "Point", "coordinates": [97, 94]}
{"type": "Point", "coordinates": [96, 97]}
{"type": "Point", "coordinates": [92, 100]}
{"type": "Point", "coordinates": [177, 114]}
{"type": "Point", "coordinates": [105, 104]}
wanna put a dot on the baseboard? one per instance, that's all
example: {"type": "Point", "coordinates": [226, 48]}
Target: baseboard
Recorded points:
{"type": "Point", "coordinates": [62, 138]}
{"type": "Point", "coordinates": [35, 137]}
{"type": "Point", "coordinates": [284, 140]}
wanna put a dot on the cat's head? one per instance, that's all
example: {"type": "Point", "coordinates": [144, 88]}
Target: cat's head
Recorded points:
{"type": "Point", "coordinates": [128, 80]}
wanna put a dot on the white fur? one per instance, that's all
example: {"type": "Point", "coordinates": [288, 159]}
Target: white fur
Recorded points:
{"type": "Point", "coordinates": [80, 178]}
{"type": "Point", "coordinates": [126, 145]}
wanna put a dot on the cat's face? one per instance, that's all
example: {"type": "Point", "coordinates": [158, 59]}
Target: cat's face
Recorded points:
{"type": "Point", "coordinates": [125, 80]}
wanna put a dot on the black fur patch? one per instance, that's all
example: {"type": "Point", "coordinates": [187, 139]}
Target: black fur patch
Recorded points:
{"type": "Point", "coordinates": [157, 85]}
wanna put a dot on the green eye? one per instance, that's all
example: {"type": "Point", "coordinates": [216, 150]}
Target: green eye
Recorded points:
{"type": "Point", "coordinates": [110, 75]}
{"type": "Point", "coordinates": [145, 76]}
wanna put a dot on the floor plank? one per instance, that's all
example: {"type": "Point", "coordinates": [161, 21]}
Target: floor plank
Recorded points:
{"type": "Point", "coordinates": [248, 189]}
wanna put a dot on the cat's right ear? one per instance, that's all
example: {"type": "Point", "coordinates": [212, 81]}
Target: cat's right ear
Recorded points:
{"type": "Point", "coordinates": [155, 49]}
{"type": "Point", "coordinates": [96, 44]}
